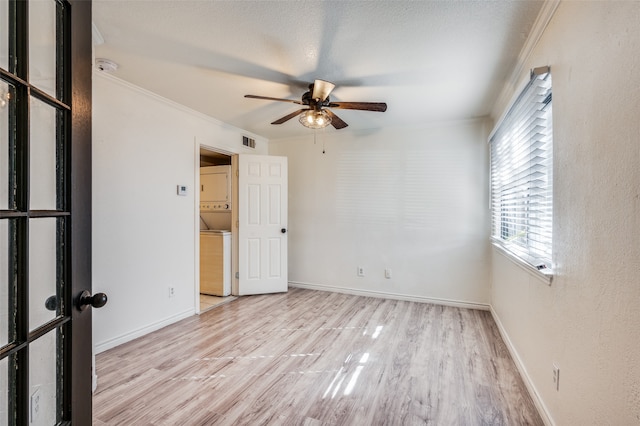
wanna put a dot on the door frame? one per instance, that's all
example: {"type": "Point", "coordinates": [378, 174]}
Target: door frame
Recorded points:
{"type": "Point", "coordinates": [196, 212]}
{"type": "Point", "coordinates": [81, 172]}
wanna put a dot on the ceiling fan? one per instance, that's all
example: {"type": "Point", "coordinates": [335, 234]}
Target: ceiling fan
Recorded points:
{"type": "Point", "coordinates": [317, 114]}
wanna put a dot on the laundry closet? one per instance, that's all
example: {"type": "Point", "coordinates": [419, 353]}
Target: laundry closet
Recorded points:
{"type": "Point", "coordinates": [215, 226]}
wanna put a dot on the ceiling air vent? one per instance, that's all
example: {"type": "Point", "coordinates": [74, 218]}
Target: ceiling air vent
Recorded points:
{"type": "Point", "coordinates": [251, 143]}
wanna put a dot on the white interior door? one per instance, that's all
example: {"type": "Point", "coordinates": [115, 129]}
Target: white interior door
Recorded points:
{"type": "Point", "coordinates": [262, 224]}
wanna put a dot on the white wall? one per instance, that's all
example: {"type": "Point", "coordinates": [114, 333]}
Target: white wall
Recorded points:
{"type": "Point", "coordinates": [143, 232]}
{"type": "Point", "coordinates": [588, 320]}
{"type": "Point", "coordinates": [412, 199]}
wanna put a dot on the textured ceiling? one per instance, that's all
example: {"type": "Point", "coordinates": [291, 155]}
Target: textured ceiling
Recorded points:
{"type": "Point", "coordinates": [429, 60]}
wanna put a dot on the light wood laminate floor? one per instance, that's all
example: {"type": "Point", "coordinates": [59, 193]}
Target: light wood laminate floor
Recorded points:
{"type": "Point", "coordinates": [208, 302]}
{"type": "Point", "coordinates": [316, 358]}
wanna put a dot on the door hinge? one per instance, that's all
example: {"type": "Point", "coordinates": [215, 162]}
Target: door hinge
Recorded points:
{"type": "Point", "coordinates": [237, 173]}
{"type": "Point", "coordinates": [237, 275]}
{"type": "Point", "coordinates": [237, 224]}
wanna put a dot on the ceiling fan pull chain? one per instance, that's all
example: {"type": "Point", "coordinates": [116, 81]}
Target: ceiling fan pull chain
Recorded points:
{"type": "Point", "coordinates": [323, 140]}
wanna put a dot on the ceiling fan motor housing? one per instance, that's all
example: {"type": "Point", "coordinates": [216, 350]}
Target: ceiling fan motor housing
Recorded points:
{"type": "Point", "coordinates": [307, 99]}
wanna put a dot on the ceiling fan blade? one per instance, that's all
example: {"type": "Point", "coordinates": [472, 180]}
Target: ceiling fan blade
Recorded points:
{"type": "Point", "coordinates": [267, 98]}
{"type": "Point", "coordinates": [290, 116]}
{"type": "Point", "coordinates": [322, 89]}
{"type": "Point", "coordinates": [364, 106]}
{"type": "Point", "coordinates": [335, 120]}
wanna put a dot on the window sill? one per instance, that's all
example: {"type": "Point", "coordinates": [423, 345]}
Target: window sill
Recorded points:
{"type": "Point", "coordinates": [544, 275]}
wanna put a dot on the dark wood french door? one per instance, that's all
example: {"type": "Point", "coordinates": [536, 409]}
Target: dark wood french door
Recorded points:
{"type": "Point", "coordinates": [45, 212]}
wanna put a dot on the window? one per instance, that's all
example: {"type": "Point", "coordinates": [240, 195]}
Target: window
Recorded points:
{"type": "Point", "coordinates": [521, 174]}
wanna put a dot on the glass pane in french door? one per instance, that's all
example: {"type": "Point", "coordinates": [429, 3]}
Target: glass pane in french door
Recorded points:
{"type": "Point", "coordinates": [4, 391]}
{"type": "Point", "coordinates": [43, 271]}
{"type": "Point", "coordinates": [43, 166]}
{"type": "Point", "coordinates": [43, 386]}
{"type": "Point", "coordinates": [4, 38]}
{"type": "Point", "coordinates": [42, 45]}
{"type": "Point", "coordinates": [6, 147]}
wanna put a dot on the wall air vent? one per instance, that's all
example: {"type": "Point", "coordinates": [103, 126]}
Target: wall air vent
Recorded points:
{"type": "Point", "coordinates": [251, 143]}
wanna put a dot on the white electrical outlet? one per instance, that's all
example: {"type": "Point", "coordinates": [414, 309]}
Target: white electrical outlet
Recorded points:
{"type": "Point", "coordinates": [360, 271]}
{"type": "Point", "coordinates": [556, 376]}
{"type": "Point", "coordinates": [387, 273]}
{"type": "Point", "coordinates": [35, 405]}
{"type": "Point", "coordinates": [172, 292]}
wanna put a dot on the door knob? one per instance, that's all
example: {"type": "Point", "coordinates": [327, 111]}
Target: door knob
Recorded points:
{"type": "Point", "coordinates": [85, 300]}
{"type": "Point", "coordinates": [51, 303]}
{"type": "Point", "coordinates": [283, 230]}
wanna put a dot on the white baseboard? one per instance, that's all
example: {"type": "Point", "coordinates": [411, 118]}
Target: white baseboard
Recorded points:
{"type": "Point", "coordinates": [116, 341]}
{"type": "Point", "coordinates": [537, 400]}
{"type": "Point", "coordinates": [395, 296]}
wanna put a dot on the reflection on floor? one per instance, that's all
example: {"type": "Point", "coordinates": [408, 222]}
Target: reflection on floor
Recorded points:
{"type": "Point", "coordinates": [208, 302]}
{"type": "Point", "coordinates": [309, 357]}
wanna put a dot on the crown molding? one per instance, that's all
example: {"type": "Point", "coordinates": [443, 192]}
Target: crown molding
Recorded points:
{"type": "Point", "coordinates": [131, 86]}
{"type": "Point", "coordinates": [96, 35]}
{"type": "Point", "coordinates": [539, 26]}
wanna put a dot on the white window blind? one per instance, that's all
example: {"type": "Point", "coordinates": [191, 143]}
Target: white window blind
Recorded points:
{"type": "Point", "coordinates": [521, 174]}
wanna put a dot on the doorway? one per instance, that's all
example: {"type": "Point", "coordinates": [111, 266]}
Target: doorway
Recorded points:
{"type": "Point", "coordinates": [258, 220]}
{"type": "Point", "coordinates": [215, 207]}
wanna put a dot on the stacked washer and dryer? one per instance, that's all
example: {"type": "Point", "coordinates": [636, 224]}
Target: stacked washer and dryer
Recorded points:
{"type": "Point", "coordinates": [215, 230]}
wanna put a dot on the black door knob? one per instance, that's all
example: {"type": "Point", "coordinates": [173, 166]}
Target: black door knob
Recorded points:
{"type": "Point", "coordinates": [51, 303]}
{"type": "Point", "coordinates": [85, 300]}
{"type": "Point", "coordinates": [283, 230]}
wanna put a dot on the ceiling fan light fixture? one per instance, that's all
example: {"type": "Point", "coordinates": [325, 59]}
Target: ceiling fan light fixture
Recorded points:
{"type": "Point", "coordinates": [315, 119]}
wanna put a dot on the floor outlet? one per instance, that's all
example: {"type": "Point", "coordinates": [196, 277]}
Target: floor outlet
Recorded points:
{"type": "Point", "coordinates": [556, 376]}
{"type": "Point", "coordinates": [360, 271]}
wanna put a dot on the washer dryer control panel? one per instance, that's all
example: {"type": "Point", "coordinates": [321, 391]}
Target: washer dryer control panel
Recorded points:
{"type": "Point", "coordinates": [214, 207]}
